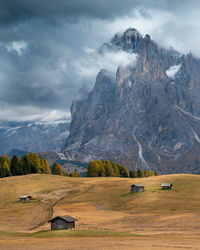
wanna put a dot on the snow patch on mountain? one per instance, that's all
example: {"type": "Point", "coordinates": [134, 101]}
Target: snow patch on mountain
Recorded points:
{"type": "Point", "coordinates": [35, 136]}
{"type": "Point", "coordinates": [140, 151]}
{"type": "Point", "coordinates": [173, 70]}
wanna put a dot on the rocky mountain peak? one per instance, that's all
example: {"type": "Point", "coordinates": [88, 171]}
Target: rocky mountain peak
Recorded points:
{"type": "Point", "coordinates": [127, 41]}
{"type": "Point", "coordinates": [103, 79]}
{"type": "Point", "coordinates": [148, 116]}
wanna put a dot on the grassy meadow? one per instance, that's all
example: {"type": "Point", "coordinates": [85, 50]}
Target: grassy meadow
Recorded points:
{"type": "Point", "coordinates": [108, 214]}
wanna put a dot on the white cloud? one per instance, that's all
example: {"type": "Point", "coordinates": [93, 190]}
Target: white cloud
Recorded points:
{"type": "Point", "coordinates": [58, 64]}
{"type": "Point", "coordinates": [167, 28]}
{"type": "Point", "coordinates": [89, 66]}
{"type": "Point", "coordinates": [89, 50]}
{"type": "Point", "coordinates": [63, 66]}
{"type": "Point", "coordinates": [17, 46]}
{"type": "Point", "coordinates": [28, 113]}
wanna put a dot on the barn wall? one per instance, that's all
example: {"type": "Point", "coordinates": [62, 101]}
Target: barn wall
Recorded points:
{"type": "Point", "coordinates": [71, 225]}
{"type": "Point", "coordinates": [166, 187]}
{"type": "Point", "coordinates": [135, 189]}
{"type": "Point", "coordinates": [59, 224]}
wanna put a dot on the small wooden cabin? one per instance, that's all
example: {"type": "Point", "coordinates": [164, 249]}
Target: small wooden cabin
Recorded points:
{"type": "Point", "coordinates": [136, 188]}
{"type": "Point", "coordinates": [166, 186]}
{"type": "Point", "coordinates": [25, 198]}
{"type": "Point", "coordinates": [62, 222]}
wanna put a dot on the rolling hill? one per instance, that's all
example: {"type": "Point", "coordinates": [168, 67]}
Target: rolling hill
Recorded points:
{"type": "Point", "coordinates": [108, 214]}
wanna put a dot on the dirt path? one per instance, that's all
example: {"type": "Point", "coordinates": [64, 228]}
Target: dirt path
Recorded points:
{"type": "Point", "coordinates": [54, 198]}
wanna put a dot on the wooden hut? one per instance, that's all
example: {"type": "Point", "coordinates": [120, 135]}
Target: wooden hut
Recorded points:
{"type": "Point", "coordinates": [136, 188]}
{"type": "Point", "coordinates": [166, 186]}
{"type": "Point", "coordinates": [25, 197]}
{"type": "Point", "coordinates": [62, 222]}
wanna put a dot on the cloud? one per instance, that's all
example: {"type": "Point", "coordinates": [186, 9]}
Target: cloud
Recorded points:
{"type": "Point", "coordinates": [28, 113]}
{"type": "Point", "coordinates": [49, 48]}
{"type": "Point", "coordinates": [52, 11]}
{"type": "Point", "coordinates": [17, 46]}
{"type": "Point", "coordinates": [87, 67]}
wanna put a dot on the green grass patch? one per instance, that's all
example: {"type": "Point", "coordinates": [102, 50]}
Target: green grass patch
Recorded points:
{"type": "Point", "coordinates": [173, 209]}
{"type": "Point", "coordinates": [127, 194]}
{"type": "Point", "coordinates": [69, 233]}
{"type": "Point", "coordinates": [6, 233]}
{"type": "Point", "coordinates": [80, 233]}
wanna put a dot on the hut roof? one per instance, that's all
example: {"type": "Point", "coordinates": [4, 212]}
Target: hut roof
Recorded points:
{"type": "Point", "coordinates": [137, 185]}
{"type": "Point", "coordinates": [25, 196]}
{"type": "Point", "coordinates": [65, 217]}
{"type": "Point", "coordinates": [166, 184]}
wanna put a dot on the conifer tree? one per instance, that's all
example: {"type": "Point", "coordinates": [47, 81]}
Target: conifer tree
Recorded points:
{"type": "Point", "coordinates": [123, 171]}
{"type": "Point", "coordinates": [6, 169]}
{"type": "Point", "coordinates": [16, 166]}
{"type": "Point", "coordinates": [47, 168]}
{"type": "Point", "coordinates": [115, 169]}
{"type": "Point", "coordinates": [34, 163]}
{"type": "Point", "coordinates": [93, 169]}
{"type": "Point", "coordinates": [56, 169]}
{"type": "Point", "coordinates": [108, 169]}
{"type": "Point", "coordinates": [140, 173]}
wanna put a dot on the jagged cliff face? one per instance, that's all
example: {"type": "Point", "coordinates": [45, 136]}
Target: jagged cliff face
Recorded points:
{"type": "Point", "coordinates": [147, 116]}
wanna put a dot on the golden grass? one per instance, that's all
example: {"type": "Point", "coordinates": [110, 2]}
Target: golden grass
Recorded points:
{"type": "Point", "coordinates": [104, 207]}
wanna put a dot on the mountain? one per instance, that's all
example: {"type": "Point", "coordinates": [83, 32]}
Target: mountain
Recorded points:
{"type": "Point", "coordinates": [146, 116]}
{"type": "Point", "coordinates": [35, 136]}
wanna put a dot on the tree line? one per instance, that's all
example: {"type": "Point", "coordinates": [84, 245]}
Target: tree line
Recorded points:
{"type": "Point", "coordinates": [140, 173]}
{"type": "Point", "coordinates": [98, 168]}
{"type": "Point", "coordinates": [57, 170]}
{"type": "Point", "coordinates": [30, 164]}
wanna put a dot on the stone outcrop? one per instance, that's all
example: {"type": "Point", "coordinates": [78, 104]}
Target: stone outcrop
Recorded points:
{"type": "Point", "coordinates": [147, 116]}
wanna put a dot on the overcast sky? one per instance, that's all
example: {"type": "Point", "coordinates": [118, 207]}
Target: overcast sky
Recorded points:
{"type": "Point", "coordinates": [49, 48]}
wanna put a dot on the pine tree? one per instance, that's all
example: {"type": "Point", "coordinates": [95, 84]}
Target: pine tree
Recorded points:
{"type": "Point", "coordinates": [1, 171]}
{"type": "Point", "coordinates": [6, 169]}
{"type": "Point", "coordinates": [56, 169]}
{"type": "Point", "coordinates": [75, 174]}
{"type": "Point", "coordinates": [26, 164]}
{"type": "Point", "coordinates": [101, 170]}
{"type": "Point", "coordinates": [108, 169]}
{"type": "Point", "coordinates": [42, 166]}
{"type": "Point", "coordinates": [140, 173]}
{"type": "Point", "coordinates": [131, 174]}
{"type": "Point", "coordinates": [34, 163]}
{"type": "Point", "coordinates": [115, 169]}
{"type": "Point", "coordinates": [16, 166]}
{"type": "Point", "coordinates": [135, 174]}
{"type": "Point", "coordinates": [123, 171]}
{"type": "Point", "coordinates": [47, 168]}
{"type": "Point", "coordinates": [93, 169]}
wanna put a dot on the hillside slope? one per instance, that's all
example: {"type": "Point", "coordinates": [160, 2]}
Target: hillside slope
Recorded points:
{"type": "Point", "coordinates": [109, 216]}
{"type": "Point", "coordinates": [101, 203]}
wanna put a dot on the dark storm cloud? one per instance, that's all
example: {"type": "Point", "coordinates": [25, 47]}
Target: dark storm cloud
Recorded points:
{"type": "Point", "coordinates": [47, 47]}
{"type": "Point", "coordinates": [12, 11]}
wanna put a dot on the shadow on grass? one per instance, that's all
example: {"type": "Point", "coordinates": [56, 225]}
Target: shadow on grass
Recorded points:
{"type": "Point", "coordinates": [33, 200]}
{"type": "Point", "coordinates": [127, 194]}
